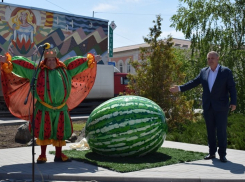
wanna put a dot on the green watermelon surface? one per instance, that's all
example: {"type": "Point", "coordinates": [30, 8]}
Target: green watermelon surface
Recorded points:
{"type": "Point", "coordinates": [126, 126]}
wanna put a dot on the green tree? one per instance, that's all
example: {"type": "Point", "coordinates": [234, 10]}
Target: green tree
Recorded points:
{"type": "Point", "coordinates": [184, 56]}
{"type": "Point", "coordinates": [217, 25]}
{"type": "Point", "coordinates": [158, 69]}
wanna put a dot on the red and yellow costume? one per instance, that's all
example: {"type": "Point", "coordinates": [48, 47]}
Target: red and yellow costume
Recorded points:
{"type": "Point", "coordinates": [56, 92]}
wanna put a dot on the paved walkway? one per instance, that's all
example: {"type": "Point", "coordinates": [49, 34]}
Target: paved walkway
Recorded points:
{"type": "Point", "coordinates": [16, 163]}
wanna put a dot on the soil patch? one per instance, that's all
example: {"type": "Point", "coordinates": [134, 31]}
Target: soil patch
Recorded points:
{"type": "Point", "coordinates": [7, 135]}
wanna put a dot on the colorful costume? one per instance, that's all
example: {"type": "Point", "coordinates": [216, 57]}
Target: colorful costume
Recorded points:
{"type": "Point", "coordinates": [56, 92]}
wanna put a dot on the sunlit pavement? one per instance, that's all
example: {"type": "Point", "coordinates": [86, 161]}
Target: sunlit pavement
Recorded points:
{"type": "Point", "coordinates": [16, 165]}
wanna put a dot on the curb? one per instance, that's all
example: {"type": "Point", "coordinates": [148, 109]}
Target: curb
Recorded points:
{"type": "Point", "coordinates": [61, 177]}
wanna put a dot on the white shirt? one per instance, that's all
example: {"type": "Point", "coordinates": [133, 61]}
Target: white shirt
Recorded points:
{"type": "Point", "coordinates": [212, 76]}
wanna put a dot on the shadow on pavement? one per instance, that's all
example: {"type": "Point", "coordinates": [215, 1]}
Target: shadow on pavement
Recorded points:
{"type": "Point", "coordinates": [234, 168]}
{"type": "Point", "coordinates": [50, 168]}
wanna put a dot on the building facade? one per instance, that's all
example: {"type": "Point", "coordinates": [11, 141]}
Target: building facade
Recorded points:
{"type": "Point", "coordinates": [122, 55]}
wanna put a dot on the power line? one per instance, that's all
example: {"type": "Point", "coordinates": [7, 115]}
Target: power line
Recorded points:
{"type": "Point", "coordinates": [108, 13]}
{"type": "Point", "coordinates": [125, 13]}
{"type": "Point", "coordinates": [58, 6]}
{"type": "Point", "coordinates": [133, 13]}
{"type": "Point", "coordinates": [124, 37]}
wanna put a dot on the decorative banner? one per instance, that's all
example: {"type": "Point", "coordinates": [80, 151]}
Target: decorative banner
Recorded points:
{"type": "Point", "coordinates": [112, 26]}
{"type": "Point", "coordinates": [110, 42]}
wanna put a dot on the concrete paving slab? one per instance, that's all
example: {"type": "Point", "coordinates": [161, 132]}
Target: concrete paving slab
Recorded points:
{"type": "Point", "coordinates": [16, 163]}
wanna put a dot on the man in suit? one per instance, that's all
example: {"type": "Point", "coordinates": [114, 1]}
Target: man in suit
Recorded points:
{"type": "Point", "coordinates": [218, 86]}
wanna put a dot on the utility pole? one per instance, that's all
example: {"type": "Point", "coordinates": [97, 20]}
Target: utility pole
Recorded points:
{"type": "Point", "coordinates": [93, 12]}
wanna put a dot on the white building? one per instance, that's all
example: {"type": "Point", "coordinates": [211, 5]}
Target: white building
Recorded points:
{"type": "Point", "coordinates": [122, 55]}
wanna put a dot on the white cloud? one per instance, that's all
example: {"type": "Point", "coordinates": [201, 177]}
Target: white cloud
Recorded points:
{"type": "Point", "coordinates": [104, 7]}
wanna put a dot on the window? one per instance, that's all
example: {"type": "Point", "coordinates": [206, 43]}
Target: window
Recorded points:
{"type": "Point", "coordinates": [121, 67]}
{"type": "Point", "coordinates": [124, 80]}
{"type": "Point", "coordinates": [128, 68]}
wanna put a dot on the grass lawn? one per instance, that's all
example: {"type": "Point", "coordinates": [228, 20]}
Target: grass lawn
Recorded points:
{"type": "Point", "coordinates": [163, 157]}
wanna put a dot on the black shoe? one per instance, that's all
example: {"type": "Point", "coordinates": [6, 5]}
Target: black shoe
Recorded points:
{"type": "Point", "coordinates": [223, 159]}
{"type": "Point", "coordinates": [209, 156]}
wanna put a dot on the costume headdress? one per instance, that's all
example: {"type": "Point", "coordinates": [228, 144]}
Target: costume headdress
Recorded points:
{"type": "Point", "coordinates": [48, 53]}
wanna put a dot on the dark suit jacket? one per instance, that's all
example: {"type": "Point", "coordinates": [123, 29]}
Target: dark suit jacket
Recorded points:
{"type": "Point", "coordinates": [223, 88]}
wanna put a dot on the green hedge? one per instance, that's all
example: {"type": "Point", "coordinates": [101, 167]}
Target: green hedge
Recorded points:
{"type": "Point", "coordinates": [195, 132]}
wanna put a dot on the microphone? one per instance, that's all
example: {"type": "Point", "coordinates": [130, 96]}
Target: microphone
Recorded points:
{"type": "Point", "coordinates": [45, 46]}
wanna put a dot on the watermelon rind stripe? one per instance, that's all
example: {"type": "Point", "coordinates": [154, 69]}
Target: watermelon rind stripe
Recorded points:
{"type": "Point", "coordinates": [98, 137]}
{"type": "Point", "coordinates": [136, 143]}
{"type": "Point", "coordinates": [112, 103]}
{"type": "Point", "coordinates": [123, 114]}
{"type": "Point", "coordinates": [125, 123]}
{"type": "Point", "coordinates": [115, 106]}
{"type": "Point", "coordinates": [142, 150]}
{"type": "Point", "coordinates": [127, 138]}
{"type": "Point", "coordinates": [120, 120]}
{"type": "Point", "coordinates": [126, 126]}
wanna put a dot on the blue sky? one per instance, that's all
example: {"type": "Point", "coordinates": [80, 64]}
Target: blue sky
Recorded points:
{"type": "Point", "coordinates": [132, 17]}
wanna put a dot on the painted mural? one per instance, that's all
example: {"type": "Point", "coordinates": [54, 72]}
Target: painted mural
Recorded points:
{"type": "Point", "coordinates": [23, 30]}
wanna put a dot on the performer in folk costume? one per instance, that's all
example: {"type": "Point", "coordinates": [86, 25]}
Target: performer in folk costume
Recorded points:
{"type": "Point", "coordinates": [59, 87]}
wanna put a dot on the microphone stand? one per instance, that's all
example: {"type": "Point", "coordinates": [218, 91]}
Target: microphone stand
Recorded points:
{"type": "Point", "coordinates": [32, 87]}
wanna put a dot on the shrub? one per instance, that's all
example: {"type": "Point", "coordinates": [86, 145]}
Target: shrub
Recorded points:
{"type": "Point", "coordinates": [196, 133]}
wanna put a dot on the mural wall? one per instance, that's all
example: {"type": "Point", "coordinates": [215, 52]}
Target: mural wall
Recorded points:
{"type": "Point", "coordinates": [22, 30]}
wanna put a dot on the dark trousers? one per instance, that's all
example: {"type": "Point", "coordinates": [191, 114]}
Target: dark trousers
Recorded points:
{"type": "Point", "coordinates": [216, 123]}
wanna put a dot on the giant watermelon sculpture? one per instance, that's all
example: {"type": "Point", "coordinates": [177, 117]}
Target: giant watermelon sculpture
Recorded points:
{"type": "Point", "coordinates": [126, 126]}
